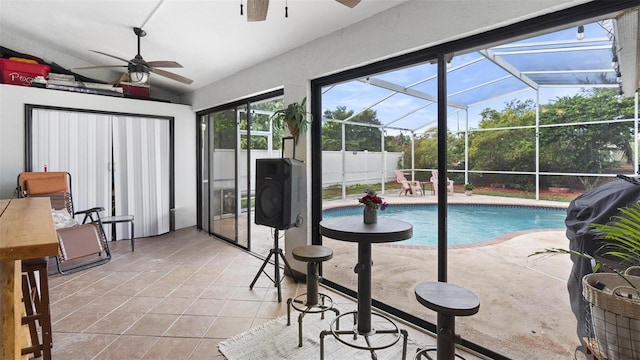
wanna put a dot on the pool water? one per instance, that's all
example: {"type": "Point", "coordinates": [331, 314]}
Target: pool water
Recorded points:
{"type": "Point", "coordinates": [467, 224]}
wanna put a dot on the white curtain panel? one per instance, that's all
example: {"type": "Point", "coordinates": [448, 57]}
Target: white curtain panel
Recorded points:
{"type": "Point", "coordinates": [78, 143]}
{"type": "Point", "coordinates": [81, 143]}
{"type": "Point", "coordinates": [141, 152]}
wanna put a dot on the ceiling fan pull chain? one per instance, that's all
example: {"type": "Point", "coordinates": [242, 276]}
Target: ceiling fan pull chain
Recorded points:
{"type": "Point", "coordinates": [241, 8]}
{"type": "Point", "coordinates": [286, 9]}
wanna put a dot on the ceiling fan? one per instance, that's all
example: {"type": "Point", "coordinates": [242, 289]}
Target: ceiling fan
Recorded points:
{"type": "Point", "coordinates": [139, 68]}
{"type": "Point", "coordinates": [257, 9]}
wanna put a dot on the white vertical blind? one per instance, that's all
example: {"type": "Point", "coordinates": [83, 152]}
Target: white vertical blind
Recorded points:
{"type": "Point", "coordinates": [81, 143]}
{"type": "Point", "coordinates": [78, 143]}
{"type": "Point", "coordinates": [141, 152]}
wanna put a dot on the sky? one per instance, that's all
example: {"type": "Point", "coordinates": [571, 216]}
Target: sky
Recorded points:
{"type": "Point", "coordinates": [559, 62]}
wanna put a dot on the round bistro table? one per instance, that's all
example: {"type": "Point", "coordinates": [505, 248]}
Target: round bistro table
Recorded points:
{"type": "Point", "coordinates": [353, 229]}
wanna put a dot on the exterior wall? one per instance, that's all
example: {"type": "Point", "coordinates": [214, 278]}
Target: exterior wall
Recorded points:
{"type": "Point", "coordinates": [12, 102]}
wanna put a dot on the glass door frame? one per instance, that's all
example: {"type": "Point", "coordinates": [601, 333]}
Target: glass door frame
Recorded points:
{"type": "Point", "coordinates": [201, 157]}
{"type": "Point", "coordinates": [437, 54]}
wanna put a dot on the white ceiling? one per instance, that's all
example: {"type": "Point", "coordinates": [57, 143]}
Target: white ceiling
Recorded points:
{"type": "Point", "coordinates": [208, 37]}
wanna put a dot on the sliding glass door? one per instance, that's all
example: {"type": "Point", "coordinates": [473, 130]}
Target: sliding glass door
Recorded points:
{"type": "Point", "coordinates": [219, 169]}
{"type": "Point", "coordinates": [231, 138]}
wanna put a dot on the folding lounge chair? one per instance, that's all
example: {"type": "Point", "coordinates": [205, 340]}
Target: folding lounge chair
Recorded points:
{"type": "Point", "coordinates": [81, 245]}
{"type": "Point", "coordinates": [408, 186]}
{"type": "Point", "coordinates": [434, 182]}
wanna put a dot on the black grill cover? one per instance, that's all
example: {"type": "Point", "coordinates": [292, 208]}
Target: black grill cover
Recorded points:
{"type": "Point", "coordinates": [597, 206]}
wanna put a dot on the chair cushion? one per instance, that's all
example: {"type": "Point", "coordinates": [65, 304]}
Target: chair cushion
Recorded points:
{"type": "Point", "coordinates": [46, 185]}
{"type": "Point", "coordinates": [62, 219]}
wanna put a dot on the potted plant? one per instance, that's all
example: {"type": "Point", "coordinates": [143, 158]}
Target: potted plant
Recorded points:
{"type": "Point", "coordinates": [614, 296]}
{"type": "Point", "coordinates": [468, 189]}
{"type": "Point", "coordinates": [372, 202]}
{"type": "Point", "coordinates": [295, 118]}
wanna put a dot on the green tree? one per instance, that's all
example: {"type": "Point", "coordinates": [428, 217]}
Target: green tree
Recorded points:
{"type": "Point", "coordinates": [586, 148]}
{"type": "Point", "coordinates": [357, 137]}
{"type": "Point", "coordinates": [577, 148]}
{"type": "Point", "coordinates": [426, 152]}
{"type": "Point", "coordinates": [396, 143]}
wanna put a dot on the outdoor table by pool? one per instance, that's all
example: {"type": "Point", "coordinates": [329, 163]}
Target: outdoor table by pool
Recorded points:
{"type": "Point", "coordinates": [353, 229]}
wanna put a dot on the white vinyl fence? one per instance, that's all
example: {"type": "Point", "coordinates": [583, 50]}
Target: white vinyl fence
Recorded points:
{"type": "Point", "coordinates": [361, 167]}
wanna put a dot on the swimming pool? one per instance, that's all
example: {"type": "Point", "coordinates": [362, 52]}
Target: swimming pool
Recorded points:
{"type": "Point", "coordinates": [468, 224]}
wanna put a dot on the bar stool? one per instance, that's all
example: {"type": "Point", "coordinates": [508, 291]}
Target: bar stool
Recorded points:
{"type": "Point", "coordinates": [37, 306]}
{"type": "Point", "coordinates": [311, 302]}
{"type": "Point", "coordinates": [448, 301]}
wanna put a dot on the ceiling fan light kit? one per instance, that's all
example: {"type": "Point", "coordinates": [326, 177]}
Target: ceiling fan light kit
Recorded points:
{"type": "Point", "coordinates": [139, 69]}
{"type": "Point", "coordinates": [139, 77]}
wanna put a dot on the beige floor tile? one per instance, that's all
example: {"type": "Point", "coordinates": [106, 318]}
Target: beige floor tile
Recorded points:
{"type": "Point", "coordinates": [78, 321]}
{"type": "Point", "coordinates": [172, 306]}
{"type": "Point", "coordinates": [241, 308]}
{"type": "Point", "coordinates": [63, 308]}
{"type": "Point", "coordinates": [259, 321]}
{"type": "Point", "coordinates": [129, 289]}
{"type": "Point", "coordinates": [159, 289]}
{"type": "Point", "coordinates": [139, 304]}
{"type": "Point", "coordinates": [218, 292]}
{"type": "Point", "coordinates": [152, 324]}
{"type": "Point", "coordinates": [211, 307]}
{"type": "Point", "coordinates": [207, 349]}
{"type": "Point", "coordinates": [106, 303]}
{"type": "Point", "coordinates": [114, 323]}
{"type": "Point", "coordinates": [226, 327]}
{"type": "Point", "coordinates": [188, 291]}
{"type": "Point", "coordinates": [173, 348]}
{"type": "Point", "coordinates": [81, 346]}
{"type": "Point", "coordinates": [190, 326]}
{"type": "Point", "coordinates": [175, 277]}
{"type": "Point", "coordinates": [128, 348]}
{"type": "Point", "coordinates": [99, 288]}
{"type": "Point", "coordinates": [244, 293]}
{"type": "Point", "coordinates": [272, 309]}
{"type": "Point", "coordinates": [203, 279]}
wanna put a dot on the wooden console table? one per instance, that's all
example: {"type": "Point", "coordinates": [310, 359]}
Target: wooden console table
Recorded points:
{"type": "Point", "coordinates": [26, 231]}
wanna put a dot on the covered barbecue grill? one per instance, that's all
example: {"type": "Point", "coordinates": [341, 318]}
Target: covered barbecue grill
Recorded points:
{"type": "Point", "coordinates": [597, 205]}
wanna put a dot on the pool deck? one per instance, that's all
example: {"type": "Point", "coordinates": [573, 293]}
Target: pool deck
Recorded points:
{"type": "Point", "coordinates": [524, 310]}
{"type": "Point", "coordinates": [392, 197]}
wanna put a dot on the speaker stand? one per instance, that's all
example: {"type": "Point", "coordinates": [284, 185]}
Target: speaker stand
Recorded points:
{"type": "Point", "coordinates": [276, 252]}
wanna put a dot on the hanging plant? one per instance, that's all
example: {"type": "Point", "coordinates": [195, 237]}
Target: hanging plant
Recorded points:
{"type": "Point", "coordinates": [295, 118]}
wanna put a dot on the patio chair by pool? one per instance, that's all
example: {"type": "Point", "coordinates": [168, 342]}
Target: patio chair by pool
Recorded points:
{"type": "Point", "coordinates": [80, 245]}
{"type": "Point", "coordinates": [408, 186]}
{"type": "Point", "coordinates": [434, 182]}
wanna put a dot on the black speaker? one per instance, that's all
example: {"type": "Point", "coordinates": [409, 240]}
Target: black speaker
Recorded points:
{"type": "Point", "coordinates": [278, 192]}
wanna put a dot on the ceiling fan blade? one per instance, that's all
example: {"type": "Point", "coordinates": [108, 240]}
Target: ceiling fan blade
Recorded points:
{"type": "Point", "coordinates": [99, 67]}
{"type": "Point", "coordinates": [172, 76]}
{"type": "Point", "coordinates": [257, 10]}
{"type": "Point", "coordinates": [164, 64]}
{"type": "Point", "coordinates": [349, 3]}
{"type": "Point", "coordinates": [109, 55]}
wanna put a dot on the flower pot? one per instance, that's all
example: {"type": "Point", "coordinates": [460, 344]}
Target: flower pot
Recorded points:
{"type": "Point", "coordinates": [370, 215]}
{"type": "Point", "coordinates": [615, 318]}
{"type": "Point", "coordinates": [468, 192]}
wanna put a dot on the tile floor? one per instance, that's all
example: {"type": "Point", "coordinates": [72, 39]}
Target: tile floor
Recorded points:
{"type": "Point", "coordinates": [175, 297]}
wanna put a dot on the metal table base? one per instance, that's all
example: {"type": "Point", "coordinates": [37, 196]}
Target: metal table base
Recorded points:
{"type": "Point", "coordinates": [352, 340]}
